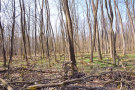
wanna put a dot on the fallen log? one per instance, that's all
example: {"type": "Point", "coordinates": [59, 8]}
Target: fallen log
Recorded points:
{"type": "Point", "coordinates": [5, 84]}
{"type": "Point", "coordinates": [64, 83]}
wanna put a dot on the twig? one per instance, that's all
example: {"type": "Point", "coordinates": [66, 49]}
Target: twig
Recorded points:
{"type": "Point", "coordinates": [67, 82]}
{"type": "Point", "coordinates": [5, 84]}
{"type": "Point", "coordinates": [33, 70]}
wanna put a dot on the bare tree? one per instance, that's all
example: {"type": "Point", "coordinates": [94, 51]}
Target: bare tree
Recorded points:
{"type": "Point", "coordinates": [95, 9]}
{"type": "Point", "coordinates": [28, 32]}
{"type": "Point", "coordinates": [70, 36]}
{"type": "Point", "coordinates": [35, 27]}
{"type": "Point", "coordinates": [122, 28]}
{"type": "Point", "coordinates": [12, 37]}
{"type": "Point", "coordinates": [112, 36]}
{"type": "Point", "coordinates": [3, 43]}
{"type": "Point", "coordinates": [104, 34]}
{"type": "Point", "coordinates": [88, 20]}
{"type": "Point", "coordinates": [23, 27]}
{"type": "Point", "coordinates": [130, 18]}
{"type": "Point", "coordinates": [98, 43]}
{"type": "Point", "coordinates": [41, 30]}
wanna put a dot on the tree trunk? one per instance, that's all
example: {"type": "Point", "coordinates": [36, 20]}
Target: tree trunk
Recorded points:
{"type": "Point", "coordinates": [3, 43]}
{"type": "Point", "coordinates": [98, 44]}
{"type": "Point", "coordinates": [35, 28]}
{"type": "Point", "coordinates": [95, 8]}
{"type": "Point", "coordinates": [70, 36]}
{"type": "Point", "coordinates": [131, 20]}
{"type": "Point", "coordinates": [12, 37]}
{"type": "Point", "coordinates": [122, 29]}
{"type": "Point", "coordinates": [112, 37]}
{"type": "Point", "coordinates": [23, 28]}
{"type": "Point", "coordinates": [28, 34]}
{"type": "Point", "coordinates": [41, 31]}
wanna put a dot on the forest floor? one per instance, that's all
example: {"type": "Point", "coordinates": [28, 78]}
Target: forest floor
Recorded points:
{"type": "Point", "coordinates": [99, 75]}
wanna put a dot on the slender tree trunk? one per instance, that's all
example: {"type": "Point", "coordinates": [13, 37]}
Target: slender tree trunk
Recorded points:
{"type": "Point", "coordinates": [122, 29]}
{"type": "Point", "coordinates": [3, 43]}
{"type": "Point", "coordinates": [70, 36]}
{"type": "Point", "coordinates": [35, 28]}
{"type": "Point", "coordinates": [112, 37]}
{"type": "Point", "coordinates": [95, 8]}
{"type": "Point", "coordinates": [130, 18]}
{"type": "Point", "coordinates": [88, 20]}
{"type": "Point", "coordinates": [98, 44]}
{"type": "Point", "coordinates": [12, 37]}
{"type": "Point", "coordinates": [28, 33]}
{"type": "Point", "coordinates": [23, 28]}
{"type": "Point", "coordinates": [41, 31]}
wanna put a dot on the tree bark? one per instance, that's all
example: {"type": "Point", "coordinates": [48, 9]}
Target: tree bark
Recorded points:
{"type": "Point", "coordinates": [35, 28]}
{"type": "Point", "coordinates": [98, 44]}
{"type": "Point", "coordinates": [41, 31]}
{"type": "Point", "coordinates": [112, 37]}
{"type": "Point", "coordinates": [70, 36]}
{"type": "Point", "coordinates": [131, 20]}
{"type": "Point", "coordinates": [3, 43]}
{"type": "Point", "coordinates": [122, 28]}
{"type": "Point", "coordinates": [12, 37]}
{"type": "Point", "coordinates": [23, 28]}
{"type": "Point", "coordinates": [95, 8]}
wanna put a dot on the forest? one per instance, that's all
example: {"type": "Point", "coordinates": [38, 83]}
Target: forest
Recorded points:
{"type": "Point", "coordinates": [67, 44]}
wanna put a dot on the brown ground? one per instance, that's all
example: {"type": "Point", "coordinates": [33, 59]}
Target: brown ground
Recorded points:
{"type": "Point", "coordinates": [20, 78]}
